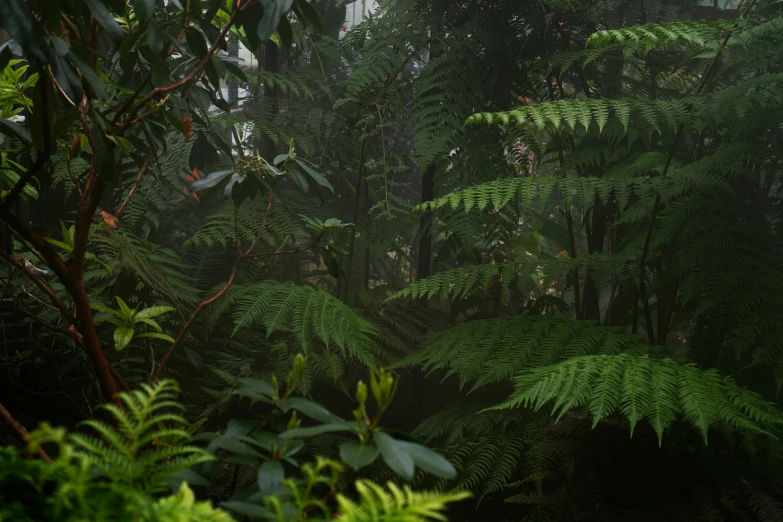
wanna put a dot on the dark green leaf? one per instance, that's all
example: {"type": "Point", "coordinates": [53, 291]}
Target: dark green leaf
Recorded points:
{"type": "Point", "coordinates": [428, 460]}
{"type": "Point", "coordinates": [311, 409]}
{"type": "Point", "coordinates": [64, 122]}
{"type": "Point", "coordinates": [5, 55]}
{"type": "Point", "coordinates": [274, 10]}
{"type": "Point", "coordinates": [285, 31]}
{"type": "Point", "coordinates": [155, 37]}
{"type": "Point", "coordinates": [8, 127]}
{"type": "Point", "coordinates": [270, 475]}
{"type": "Point", "coordinates": [307, 14]}
{"type": "Point", "coordinates": [107, 167]}
{"type": "Point", "coordinates": [299, 179]}
{"type": "Point", "coordinates": [197, 45]}
{"type": "Point", "coordinates": [144, 10]}
{"type": "Point", "coordinates": [211, 180]}
{"type": "Point", "coordinates": [259, 385]}
{"type": "Point", "coordinates": [59, 46]}
{"type": "Point", "coordinates": [130, 42]}
{"type": "Point", "coordinates": [316, 430]}
{"type": "Point", "coordinates": [194, 358]}
{"type": "Point", "coordinates": [315, 175]}
{"type": "Point", "coordinates": [357, 456]}
{"type": "Point", "coordinates": [104, 17]}
{"type": "Point", "coordinates": [235, 70]}
{"type": "Point", "coordinates": [212, 74]}
{"type": "Point", "coordinates": [201, 97]}
{"type": "Point", "coordinates": [89, 74]}
{"type": "Point", "coordinates": [396, 456]}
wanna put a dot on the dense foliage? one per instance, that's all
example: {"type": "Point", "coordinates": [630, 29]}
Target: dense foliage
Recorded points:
{"type": "Point", "coordinates": [546, 230]}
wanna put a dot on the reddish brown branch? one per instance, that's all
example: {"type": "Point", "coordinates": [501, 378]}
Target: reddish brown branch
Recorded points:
{"type": "Point", "coordinates": [40, 284]}
{"type": "Point", "coordinates": [204, 304]}
{"type": "Point", "coordinates": [19, 429]}
{"type": "Point", "coordinates": [69, 333]}
{"type": "Point", "coordinates": [157, 91]}
{"type": "Point", "coordinates": [136, 184]}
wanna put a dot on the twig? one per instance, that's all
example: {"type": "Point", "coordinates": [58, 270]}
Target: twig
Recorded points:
{"type": "Point", "coordinates": [136, 184]}
{"type": "Point", "coordinates": [187, 79]}
{"type": "Point", "coordinates": [19, 429]}
{"type": "Point", "coordinates": [37, 319]}
{"type": "Point", "coordinates": [40, 284]}
{"type": "Point", "coordinates": [204, 304]}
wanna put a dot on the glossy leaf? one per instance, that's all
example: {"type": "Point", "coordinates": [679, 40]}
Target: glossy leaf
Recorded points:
{"type": "Point", "coordinates": [153, 311]}
{"type": "Point", "coordinates": [211, 180]}
{"type": "Point", "coordinates": [122, 337]}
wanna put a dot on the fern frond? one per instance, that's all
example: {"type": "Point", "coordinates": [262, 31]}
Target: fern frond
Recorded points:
{"type": "Point", "coordinates": [378, 504]}
{"type": "Point", "coordinates": [658, 390]}
{"type": "Point", "coordinates": [308, 313]}
{"type": "Point", "coordinates": [493, 350]}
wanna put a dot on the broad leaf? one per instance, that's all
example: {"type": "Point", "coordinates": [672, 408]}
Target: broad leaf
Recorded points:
{"type": "Point", "coordinates": [270, 475]}
{"type": "Point", "coordinates": [395, 455]}
{"type": "Point", "coordinates": [311, 409]}
{"type": "Point", "coordinates": [122, 337]}
{"type": "Point", "coordinates": [358, 456]}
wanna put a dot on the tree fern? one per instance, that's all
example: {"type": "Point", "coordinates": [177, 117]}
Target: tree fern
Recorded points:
{"type": "Point", "coordinates": [305, 311]}
{"type": "Point", "coordinates": [641, 388]}
{"type": "Point", "coordinates": [493, 350]}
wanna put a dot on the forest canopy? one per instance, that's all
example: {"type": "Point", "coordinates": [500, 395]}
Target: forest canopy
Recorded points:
{"type": "Point", "coordinates": [393, 260]}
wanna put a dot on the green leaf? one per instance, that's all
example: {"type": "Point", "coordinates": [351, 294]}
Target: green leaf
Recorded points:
{"type": "Point", "coordinates": [201, 97]}
{"type": "Point", "coordinates": [259, 385]}
{"type": "Point", "coordinates": [13, 178]}
{"type": "Point", "coordinates": [153, 311]}
{"type": "Point", "coordinates": [280, 158]}
{"type": "Point", "coordinates": [8, 127]}
{"type": "Point", "coordinates": [358, 456]}
{"type": "Point", "coordinates": [317, 176]}
{"type": "Point", "coordinates": [235, 70]}
{"type": "Point", "coordinates": [428, 460]}
{"type": "Point", "coordinates": [150, 322]}
{"type": "Point", "coordinates": [395, 455]}
{"type": "Point", "coordinates": [122, 337]}
{"type": "Point", "coordinates": [270, 475]}
{"type": "Point", "coordinates": [273, 11]}
{"type": "Point", "coordinates": [107, 167]}
{"type": "Point", "coordinates": [144, 10]}
{"type": "Point", "coordinates": [156, 335]}
{"type": "Point", "coordinates": [311, 409]}
{"type": "Point", "coordinates": [194, 358]}
{"type": "Point", "coordinates": [310, 15]}
{"type": "Point", "coordinates": [104, 17]}
{"type": "Point", "coordinates": [155, 37]}
{"type": "Point", "coordinates": [318, 430]}
{"type": "Point", "coordinates": [211, 180]}
{"type": "Point", "coordinates": [125, 309]}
